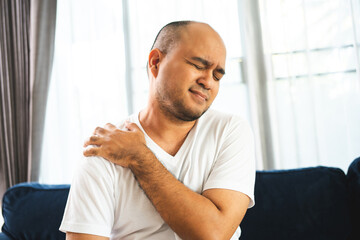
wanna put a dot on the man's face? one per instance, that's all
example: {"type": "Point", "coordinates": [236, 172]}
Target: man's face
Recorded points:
{"type": "Point", "coordinates": [188, 78]}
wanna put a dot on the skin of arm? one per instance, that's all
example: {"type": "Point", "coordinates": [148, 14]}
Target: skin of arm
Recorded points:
{"type": "Point", "coordinates": [214, 214]}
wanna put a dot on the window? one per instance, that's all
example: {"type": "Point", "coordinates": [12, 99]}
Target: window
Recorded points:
{"type": "Point", "coordinates": [313, 57]}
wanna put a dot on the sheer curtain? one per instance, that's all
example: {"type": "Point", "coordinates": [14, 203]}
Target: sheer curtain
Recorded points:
{"type": "Point", "coordinates": [312, 48]}
{"type": "Point", "coordinates": [99, 69]}
{"type": "Point", "coordinates": [87, 87]}
{"type": "Point", "coordinates": [43, 18]}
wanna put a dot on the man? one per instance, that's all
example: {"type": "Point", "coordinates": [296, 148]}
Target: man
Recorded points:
{"type": "Point", "coordinates": [174, 170]}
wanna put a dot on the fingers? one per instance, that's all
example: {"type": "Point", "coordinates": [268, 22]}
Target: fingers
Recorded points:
{"type": "Point", "coordinates": [99, 131]}
{"type": "Point", "coordinates": [102, 131]}
{"type": "Point", "coordinates": [93, 140]}
{"type": "Point", "coordinates": [110, 126]}
{"type": "Point", "coordinates": [131, 126]}
{"type": "Point", "coordinates": [92, 151]}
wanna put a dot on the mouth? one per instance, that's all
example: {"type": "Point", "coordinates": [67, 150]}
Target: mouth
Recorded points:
{"type": "Point", "coordinates": [199, 95]}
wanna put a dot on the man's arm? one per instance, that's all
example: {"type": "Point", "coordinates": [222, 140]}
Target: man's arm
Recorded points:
{"type": "Point", "coordinates": [213, 215]}
{"type": "Point", "coordinates": [81, 236]}
{"type": "Point", "coordinates": [90, 205]}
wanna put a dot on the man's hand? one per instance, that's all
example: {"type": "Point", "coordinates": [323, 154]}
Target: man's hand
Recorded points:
{"type": "Point", "coordinates": [122, 147]}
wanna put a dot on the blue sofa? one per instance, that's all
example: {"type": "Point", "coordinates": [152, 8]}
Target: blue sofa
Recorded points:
{"type": "Point", "coordinates": [309, 203]}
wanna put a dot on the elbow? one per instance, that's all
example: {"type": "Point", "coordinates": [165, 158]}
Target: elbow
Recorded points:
{"type": "Point", "coordinates": [217, 236]}
{"type": "Point", "coordinates": [214, 233]}
{"type": "Point", "coordinates": [213, 236]}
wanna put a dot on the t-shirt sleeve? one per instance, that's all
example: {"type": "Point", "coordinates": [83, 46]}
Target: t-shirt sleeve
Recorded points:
{"type": "Point", "coordinates": [234, 166]}
{"type": "Point", "coordinates": [90, 205]}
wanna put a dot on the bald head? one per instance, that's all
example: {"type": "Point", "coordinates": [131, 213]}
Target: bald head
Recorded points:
{"type": "Point", "coordinates": [169, 35]}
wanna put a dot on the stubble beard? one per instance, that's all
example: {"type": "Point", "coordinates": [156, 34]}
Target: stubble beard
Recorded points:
{"type": "Point", "coordinates": [173, 106]}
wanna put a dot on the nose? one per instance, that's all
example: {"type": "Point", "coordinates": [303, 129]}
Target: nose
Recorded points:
{"type": "Point", "coordinates": [206, 80]}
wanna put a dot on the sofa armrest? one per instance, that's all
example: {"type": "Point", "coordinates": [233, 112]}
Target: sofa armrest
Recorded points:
{"type": "Point", "coordinates": [353, 176]}
{"type": "Point", "coordinates": [4, 237]}
{"type": "Point", "coordinates": [298, 204]}
{"type": "Point", "coordinates": [34, 211]}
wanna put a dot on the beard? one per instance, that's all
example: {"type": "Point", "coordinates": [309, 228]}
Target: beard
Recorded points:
{"type": "Point", "coordinates": [173, 106]}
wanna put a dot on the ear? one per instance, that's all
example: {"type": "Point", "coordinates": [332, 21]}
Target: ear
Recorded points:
{"type": "Point", "coordinates": [155, 57]}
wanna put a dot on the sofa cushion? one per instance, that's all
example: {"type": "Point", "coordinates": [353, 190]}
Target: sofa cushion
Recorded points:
{"type": "Point", "coordinates": [353, 176]}
{"type": "Point", "coordinates": [308, 203]}
{"type": "Point", "coordinates": [34, 211]}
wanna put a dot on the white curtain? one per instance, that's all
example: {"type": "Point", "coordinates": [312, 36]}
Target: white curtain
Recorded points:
{"type": "Point", "coordinates": [312, 51]}
{"type": "Point", "coordinates": [87, 87]}
{"type": "Point", "coordinates": [42, 36]}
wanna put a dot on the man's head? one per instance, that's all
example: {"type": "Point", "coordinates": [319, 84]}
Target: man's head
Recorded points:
{"type": "Point", "coordinates": [169, 36]}
{"type": "Point", "coordinates": [185, 65]}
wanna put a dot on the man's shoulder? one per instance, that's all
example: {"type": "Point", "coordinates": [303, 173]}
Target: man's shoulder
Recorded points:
{"type": "Point", "coordinates": [224, 124]}
{"type": "Point", "coordinates": [94, 166]}
{"type": "Point", "coordinates": [130, 118]}
{"type": "Point", "coordinates": [216, 117]}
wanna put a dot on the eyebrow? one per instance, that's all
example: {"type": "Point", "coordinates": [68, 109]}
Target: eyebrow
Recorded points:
{"type": "Point", "coordinates": [206, 63]}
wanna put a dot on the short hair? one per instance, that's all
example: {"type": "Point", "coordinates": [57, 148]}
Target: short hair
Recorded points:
{"type": "Point", "coordinates": [169, 35]}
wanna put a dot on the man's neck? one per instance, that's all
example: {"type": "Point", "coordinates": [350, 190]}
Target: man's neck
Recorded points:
{"type": "Point", "coordinates": [164, 131]}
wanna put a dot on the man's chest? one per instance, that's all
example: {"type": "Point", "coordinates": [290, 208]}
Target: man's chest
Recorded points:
{"type": "Point", "coordinates": [135, 217]}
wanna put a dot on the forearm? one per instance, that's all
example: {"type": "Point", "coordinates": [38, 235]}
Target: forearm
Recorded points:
{"type": "Point", "coordinates": [190, 215]}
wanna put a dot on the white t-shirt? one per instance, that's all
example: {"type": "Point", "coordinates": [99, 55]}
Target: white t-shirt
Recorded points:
{"type": "Point", "coordinates": [106, 200]}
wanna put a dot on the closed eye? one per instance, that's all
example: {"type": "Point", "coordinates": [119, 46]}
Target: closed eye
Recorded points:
{"type": "Point", "coordinates": [217, 76]}
{"type": "Point", "coordinates": [197, 66]}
